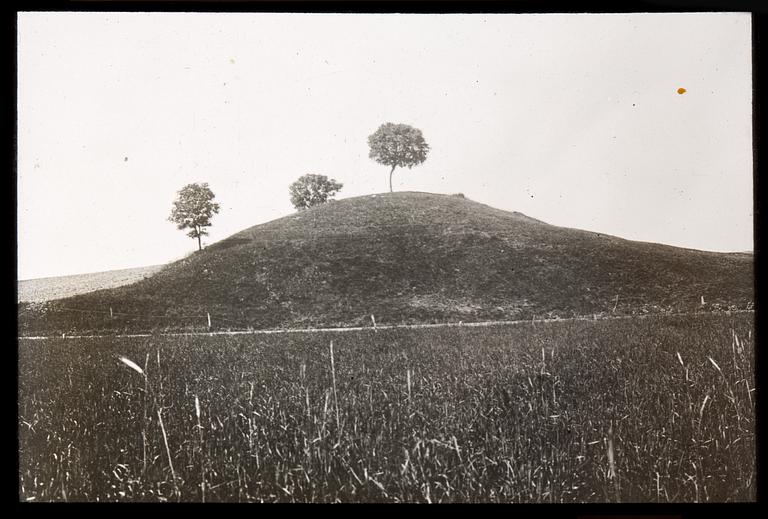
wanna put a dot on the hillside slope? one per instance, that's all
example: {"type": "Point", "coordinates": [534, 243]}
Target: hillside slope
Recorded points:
{"type": "Point", "coordinates": [406, 258]}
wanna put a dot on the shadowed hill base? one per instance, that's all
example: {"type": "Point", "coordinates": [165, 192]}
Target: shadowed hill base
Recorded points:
{"type": "Point", "coordinates": [406, 258]}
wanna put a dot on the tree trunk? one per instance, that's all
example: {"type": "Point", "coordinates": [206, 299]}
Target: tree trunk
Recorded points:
{"type": "Point", "coordinates": [199, 244]}
{"type": "Point", "coordinates": [390, 178]}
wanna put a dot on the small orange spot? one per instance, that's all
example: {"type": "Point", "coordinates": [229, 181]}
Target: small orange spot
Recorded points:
{"type": "Point", "coordinates": [681, 90]}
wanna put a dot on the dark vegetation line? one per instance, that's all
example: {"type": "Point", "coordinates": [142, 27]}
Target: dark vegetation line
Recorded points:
{"type": "Point", "coordinates": [385, 327]}
{"type": "Point", "coordinates": [107, 312]}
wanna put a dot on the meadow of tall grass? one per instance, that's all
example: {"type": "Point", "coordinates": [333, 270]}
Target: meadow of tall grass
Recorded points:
{"type": "Point", "coordinates": [659, 409]}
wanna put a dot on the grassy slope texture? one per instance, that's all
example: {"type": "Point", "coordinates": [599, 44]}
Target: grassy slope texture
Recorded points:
{"type": "Point", "coordinates": [405, 258]}
{"type": "Point", "coordinates": [525, 413]}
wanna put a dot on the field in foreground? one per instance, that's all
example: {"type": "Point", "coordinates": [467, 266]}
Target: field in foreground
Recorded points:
{"type": "Point", "coordinates": [644, 410]}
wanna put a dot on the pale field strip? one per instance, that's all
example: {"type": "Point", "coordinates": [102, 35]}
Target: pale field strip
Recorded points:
{"type": "Point", "coordinates": [479, 324]}
{"type": "Point", "coordinates": [59, 287]}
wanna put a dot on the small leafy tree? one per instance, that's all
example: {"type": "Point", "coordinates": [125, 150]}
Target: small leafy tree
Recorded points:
{"type": "Point", "coordinates": [311, 190]}
{"type": "Point", "coordinates": [193, 209]}
{"type": "Point", "coordinates": [397, 145]}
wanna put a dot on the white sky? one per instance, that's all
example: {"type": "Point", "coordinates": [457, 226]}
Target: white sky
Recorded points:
{"type": "Point", "coordinates": [571, 119]}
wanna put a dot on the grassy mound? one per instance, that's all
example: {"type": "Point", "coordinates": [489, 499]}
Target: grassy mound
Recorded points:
{"type": "Point", "coordinates": [405, 258]}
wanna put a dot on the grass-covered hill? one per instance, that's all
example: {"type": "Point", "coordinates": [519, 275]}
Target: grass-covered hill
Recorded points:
{"type": "Point", "coordinates": [405, 258]}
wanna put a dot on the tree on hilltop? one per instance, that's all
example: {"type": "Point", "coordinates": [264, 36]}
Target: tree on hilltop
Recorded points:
{"type": "Point", "coordinates": [193, 209]}
{"type": "Point", "coordinates": [397, 145]}
{"type": "Point", "coordinates": [311, 190]}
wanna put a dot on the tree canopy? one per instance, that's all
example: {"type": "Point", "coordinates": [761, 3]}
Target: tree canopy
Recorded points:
{"type": "Point", "coordinates": [311, 190]}
{"type": "Point", "coordinates": [193, 209]}
{"type": "Point", "coordinates": [397, 145]}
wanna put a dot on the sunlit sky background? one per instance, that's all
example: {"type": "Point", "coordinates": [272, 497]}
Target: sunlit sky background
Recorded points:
{"type": "Point", "coordinates": [571, 119]}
